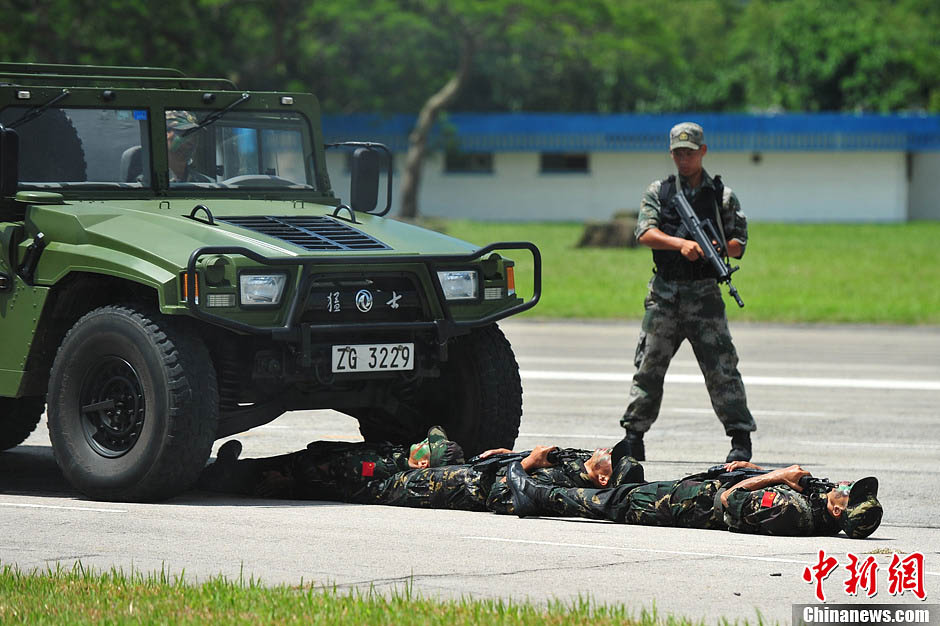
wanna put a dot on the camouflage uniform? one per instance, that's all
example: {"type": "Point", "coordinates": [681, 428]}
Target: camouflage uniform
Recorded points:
{"type": "Point", "coordinates": [690, 309]}
{"type": "Point", "coordinates": [466, 487]}
{"type": "Point", "coordinates": [371, 473]}
{"type": "Point", "coordinates": [779, 510]}
{"type": "Point", "coordinates": [690, 503]}
{"type": "Point", "coordinates": [326, 470]}
{"type": "Point", "coordinates": [322, 471]}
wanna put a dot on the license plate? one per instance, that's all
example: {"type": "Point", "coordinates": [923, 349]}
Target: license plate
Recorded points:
{"type": "Point", "coordinates": [376, 357]}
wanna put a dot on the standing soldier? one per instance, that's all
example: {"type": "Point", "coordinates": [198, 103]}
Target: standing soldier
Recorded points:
{"type": "Point", "coordinates": [684, 301]}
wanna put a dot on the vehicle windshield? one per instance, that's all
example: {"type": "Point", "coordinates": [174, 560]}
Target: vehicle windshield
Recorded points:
{"type": "Point", "coordinates": [110, 148]}
{"type": "Point", "coordinates": [66, 147]}
{"type": "Point", "coordinates": [240, 150]}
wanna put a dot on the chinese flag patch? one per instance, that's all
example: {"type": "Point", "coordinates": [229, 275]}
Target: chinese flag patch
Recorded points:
{"type": "Point", "coordinates": [767, 500]}
{"type": "Point", "coordinates": [368, 468]}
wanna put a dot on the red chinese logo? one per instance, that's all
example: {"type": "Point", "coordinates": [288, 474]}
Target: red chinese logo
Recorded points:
{"type": "Point", "coordinates": [861, 575]}
{"type": "Point", "coordinates": [820, 572]}
{"type": "Point", "coordinates": [907, 574]}
{"type": "Point", "coordinates": [904, 574]}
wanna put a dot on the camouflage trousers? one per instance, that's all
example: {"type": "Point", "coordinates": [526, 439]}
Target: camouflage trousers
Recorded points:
{"type": "Point", "coordinates": [308, 476]}
{"type": "Point", "coordinates": [322, 471]}
{"type": "Point", "coordinates": [290, 476]}
{"type": "Point", "coordinates": [676, 311]}
{"type": "Point", "coordinates": [458, 487]}
{"type": "Point", "coordinates": [682, 503]}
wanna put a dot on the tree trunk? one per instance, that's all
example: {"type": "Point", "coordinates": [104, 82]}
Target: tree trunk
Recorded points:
{"type": "Point", "coordinates": [418, 138]}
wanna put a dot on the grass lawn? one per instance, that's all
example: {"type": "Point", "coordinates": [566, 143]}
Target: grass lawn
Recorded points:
{"type": "Point", "coordinates": [78, 596]}
{"type": "Point", "coordinates": [860, 273]}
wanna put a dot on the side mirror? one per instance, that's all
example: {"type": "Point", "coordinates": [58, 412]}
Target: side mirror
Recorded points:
{"type": "Point", "coordinates": [9, 162]}
{"type": "Point", "coordinates": [365, 173]}
{"type": "Point", "coordinates": [364, 180]}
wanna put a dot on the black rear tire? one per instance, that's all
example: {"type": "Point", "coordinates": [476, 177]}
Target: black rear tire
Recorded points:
{"type": "Point", "coordinates": [18, 419]}
{"type": "Point", "coordinates": [477, 399]}
{"type": "Point", "coordinates": [133, 406]}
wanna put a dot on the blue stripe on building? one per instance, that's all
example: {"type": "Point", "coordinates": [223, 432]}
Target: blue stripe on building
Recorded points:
{"type": "Point", "coordinates": [577, 132]}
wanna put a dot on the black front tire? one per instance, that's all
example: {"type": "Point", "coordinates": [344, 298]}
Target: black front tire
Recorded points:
{"type": "Point", "coordinates": [132, 406]}
{"type": "Point", "coordinates": [18, 418]}
{"type": "Point", "coordinates": [477, 399]}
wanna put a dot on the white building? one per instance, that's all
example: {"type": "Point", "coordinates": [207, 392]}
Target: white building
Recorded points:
{"type": "Point", "coordinates": [574, 167]}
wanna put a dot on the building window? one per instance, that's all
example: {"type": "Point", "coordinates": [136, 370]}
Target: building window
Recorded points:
{"type": "Point", "coordinates": [565, 163]}
{"type": "Point", "coordinates": [468, 162]}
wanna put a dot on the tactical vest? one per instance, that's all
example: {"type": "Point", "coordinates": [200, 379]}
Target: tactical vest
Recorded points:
{"type": "Point", "coordinates": [670, 264]}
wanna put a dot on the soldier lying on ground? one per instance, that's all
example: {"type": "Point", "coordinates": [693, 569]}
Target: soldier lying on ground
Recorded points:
{"type": "Point", "coordinates": [429, 474]}
{"type": "Point", "coordinates": [773, 503]}
{"type": "Point", "coordinates": [480, 484]}
{"type": "Point", "coordinates": [316, 471]}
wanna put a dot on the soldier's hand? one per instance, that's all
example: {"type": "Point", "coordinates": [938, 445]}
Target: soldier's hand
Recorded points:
{"type": "Point", "coordinates": [690, 250]}
{"type": "Point", "coordinates": [792, 475]}
{"type": "Point", "coordinates": [489, 453]}
{"type": "Point", "coordinates": [734, 248]}
{"type": "Point", "coordinates": [734, 465]}
{"type": "Point", "coordinates": [538, 458]}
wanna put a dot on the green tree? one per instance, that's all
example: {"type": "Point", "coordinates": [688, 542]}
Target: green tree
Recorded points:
{"type": "Point", "coordinates": [568, 55]}
{"type": "Point", "coordinates": [812, 55]}
{"type": "Point", "coordinates": [430, 56]}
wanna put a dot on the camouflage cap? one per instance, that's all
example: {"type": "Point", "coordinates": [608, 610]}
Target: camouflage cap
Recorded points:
{"type": "Point", "coordinates": [863, 512]}
{"type": "Point", "coordinates": [442, 450]}
{"type": "Point", "coordinates": [626, 469]}
{"type": "Point", "coordinates": [180, 120]}
{"type": "Point", "coordinates": [619, 451]}
{"type": "Point", "coordinates": [686, 135]}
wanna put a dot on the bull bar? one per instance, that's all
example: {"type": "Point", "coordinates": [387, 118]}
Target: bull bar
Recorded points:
{"type": "Point", "coordinates": [445, 328]}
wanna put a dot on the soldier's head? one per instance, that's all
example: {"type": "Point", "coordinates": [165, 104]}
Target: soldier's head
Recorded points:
{"type": "Point", "coordinates": [599, 467]}
{"type": "Point", "coordinates": [687, 147]}
{"type": "Point", "coordinates": [435, 450]}
{"type": "Point", "coordinates": [181, 145]}
{"type": "Point", "coordinates": [856, 506]}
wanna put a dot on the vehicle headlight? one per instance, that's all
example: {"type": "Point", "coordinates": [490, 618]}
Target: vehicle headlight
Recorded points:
{"type": "Point", "coordinates": [261, 288]}
{"type": "Point", "coordinates": [460, 285]}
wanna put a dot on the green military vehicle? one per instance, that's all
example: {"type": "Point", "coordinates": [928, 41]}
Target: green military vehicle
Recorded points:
{"type": "Point", "coordinates": [175, 268]}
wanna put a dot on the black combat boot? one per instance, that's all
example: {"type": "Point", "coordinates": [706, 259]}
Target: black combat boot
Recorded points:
{"type": "Point", "coordinates": [633, 445]}
{"type": "Point", "coordinates": [223, 474]}
{"type": "Point", "coordinates": [229, 452]}
{"type": "Point", "coordinates": [740, 446]}
{"type": "Point", "coordinates": [529, 497]}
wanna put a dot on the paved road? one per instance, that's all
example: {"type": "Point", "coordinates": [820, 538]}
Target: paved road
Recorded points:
{"type": "Point", "coordinates": [843, 401]}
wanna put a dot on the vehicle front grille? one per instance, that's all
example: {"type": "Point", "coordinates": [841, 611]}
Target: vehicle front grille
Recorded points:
{"type": "Point", "coordinates": [352, 298]}
{"type": "Point", "coordinates": [308, 232]}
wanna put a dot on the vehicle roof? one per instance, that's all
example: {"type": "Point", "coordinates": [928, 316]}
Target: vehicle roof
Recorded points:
{"type": "Point", "coordinates": [106, 76]}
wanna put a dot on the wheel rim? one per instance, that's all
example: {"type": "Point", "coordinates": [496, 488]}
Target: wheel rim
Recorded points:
{"type": "Point", "coordinates": [112, 407]}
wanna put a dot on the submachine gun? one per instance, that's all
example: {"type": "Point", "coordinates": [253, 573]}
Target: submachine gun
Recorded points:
{"type": "Point", "coordinates": [713, 252]}
{"type": "Point", "coordinates": [810, 484]}
{"type": "Point", "coordinates": [497, 461]}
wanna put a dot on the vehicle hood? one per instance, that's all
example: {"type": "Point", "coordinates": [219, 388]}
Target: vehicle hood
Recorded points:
{"type": "Point", "coordinates": [162, 230]}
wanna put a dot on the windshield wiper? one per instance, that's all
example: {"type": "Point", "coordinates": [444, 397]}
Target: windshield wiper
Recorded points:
{"type": "Point", "coordinates": [215, 116]}
{"type": "Point", "coordinates": [36, 111]}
